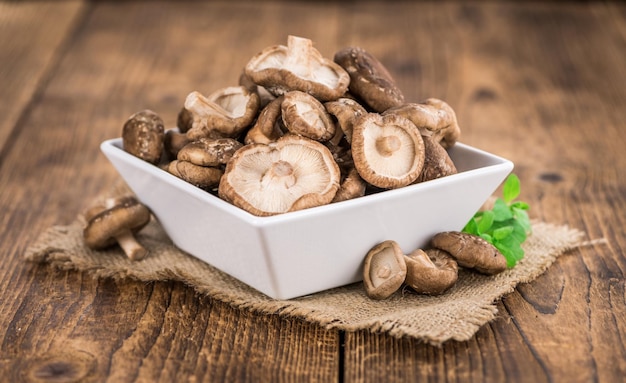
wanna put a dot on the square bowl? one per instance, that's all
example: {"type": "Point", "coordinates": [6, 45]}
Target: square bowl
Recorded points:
{"type": "Point", "coordinates": [311, 250]}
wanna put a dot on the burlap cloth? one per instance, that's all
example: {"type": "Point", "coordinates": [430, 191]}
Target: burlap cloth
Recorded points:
{"type": "Point", "coordinates": [458, 314]}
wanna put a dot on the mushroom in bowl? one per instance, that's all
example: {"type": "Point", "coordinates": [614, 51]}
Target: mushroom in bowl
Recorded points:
{"type": "Point", "coordinates": [291, 174]}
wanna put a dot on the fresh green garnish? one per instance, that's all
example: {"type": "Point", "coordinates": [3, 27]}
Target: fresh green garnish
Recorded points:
{"type": "Point", "coordinates": [506, 225]}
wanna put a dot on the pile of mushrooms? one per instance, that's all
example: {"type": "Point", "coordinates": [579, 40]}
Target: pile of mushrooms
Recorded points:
{"type": "Point", "coordinates": [430, 271]}
{"type": "Point", "coordinates": [300, 130]}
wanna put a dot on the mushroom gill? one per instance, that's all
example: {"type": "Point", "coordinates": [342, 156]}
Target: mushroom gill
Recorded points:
{"type": "Point", "coordinates": [291, 174]}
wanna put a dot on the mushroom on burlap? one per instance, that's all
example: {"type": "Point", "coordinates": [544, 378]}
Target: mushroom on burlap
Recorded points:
{"type": "Point", "coordinates": [471, 251]}
{"type": "Point", "coordinates": [290, 174]}
{"type": "Point", "coordinates": [430, 271]}
{"type": "Point", "coordinates": [384, 270]}
{"type": "Point", "coordinates": [116, 221]}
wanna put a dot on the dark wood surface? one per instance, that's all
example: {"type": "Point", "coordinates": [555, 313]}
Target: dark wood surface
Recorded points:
{"type": "Point", "coordinates": [543, 84]}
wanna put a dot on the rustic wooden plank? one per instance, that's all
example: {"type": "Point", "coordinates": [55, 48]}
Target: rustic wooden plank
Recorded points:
{"type": "Point", "coordinates": [87, 330]}
{"type": "Point", "coordinates": [533, 84]}
{"type": "Point", "coordinates": [31, 35]}
{"type": "Point", "coordinates": [570, 107]}
{"type": "Point", "coordinates": [125, 57]}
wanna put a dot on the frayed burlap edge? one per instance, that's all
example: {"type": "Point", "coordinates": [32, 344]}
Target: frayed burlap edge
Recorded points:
{"type": "Point", "coordinates": [456, 315]}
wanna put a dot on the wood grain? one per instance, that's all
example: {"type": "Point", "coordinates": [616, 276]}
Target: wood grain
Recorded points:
{"type": "Point", "coordinates": [28, 59]}
{"type": "Point", "coordinates": [162, 332]}
{"type": "Point", "coordinates": [542, 84]}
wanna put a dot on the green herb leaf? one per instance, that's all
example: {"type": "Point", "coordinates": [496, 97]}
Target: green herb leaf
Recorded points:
{"type": "Point", "coordinates": [486, 237]}
{"type": "Point", "coordinates": [506, 251]}
{"type": "Point", "coordinates": [521, 218]}
{"type": "Point", "coordinates": [511, 188]}
{"type": "Point", "coordinates": [519, 233]}
{"type": "Point", "coordinates": [485, 222]}
{"type": "Point", "coordinates": [471, 227]}
{"type": "Point", "coordinates": [501, 210]}
{"type": "Point", "coordinates": [520, 205]}
{"type": "Point", "coordinates": [503, 232]}
{"type": "Point", "coordinates": [506, 225]}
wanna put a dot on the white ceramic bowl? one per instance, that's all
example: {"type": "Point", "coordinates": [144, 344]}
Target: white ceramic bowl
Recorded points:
{"type": "Point", "coordinates": [307, 251]}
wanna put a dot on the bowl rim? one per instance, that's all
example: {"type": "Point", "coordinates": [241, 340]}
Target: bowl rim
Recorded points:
{"type": "Point", "coordinates": [114, 147]}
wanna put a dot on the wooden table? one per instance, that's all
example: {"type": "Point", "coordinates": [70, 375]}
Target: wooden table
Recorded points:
{"type": "Point", "coordinates": [543, 84]}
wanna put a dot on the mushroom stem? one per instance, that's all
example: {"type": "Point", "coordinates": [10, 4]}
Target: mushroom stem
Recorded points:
{"type": "Point", "coordinates": [387, 145]}
{"type": "Point", "coordinates": [279, 171]}
{"type": "Point", "coordinates": [131, 247]}
{"type": "Point", "coordinates": [384, 272]}
{"type": "Point", "coordinates": [298, 55]}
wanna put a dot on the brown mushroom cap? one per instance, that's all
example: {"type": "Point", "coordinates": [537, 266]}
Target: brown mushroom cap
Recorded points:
{"type": "Point", "coordinates": [266, 129]}
{"type": "Point", "coordinates": [290, 174]}
{"type": "Point", "coordinates": [451, 132]}
{"type": "Point", "coordinates": [172, 168]}
{"type": "Point", "coordinates": [184, 120]}
{"type": "Point", "coordinates": [305, 115]}
{"type": "Point", "coordinates": [433, 117]}
{"type": "Point", "coordinates": [143, 135]}
{"type": "Point", "coordinates": [388, 151]}
{"type": "Point", "coordinates": [352, 186]}
{"type": "Point", "coordinates": [265, 97]}
{"type": "Point", "coordinates": [471, 251]}
{"type": "Point", "coordinates": [204, 177]}
{"type": "Point", "coordinates": [297, 66]}
{"type": "Point", "coordinates": [209, 151]}
{"type": "Point", "coordinates": [346, 111]}
{"type": "Point", "coordinates": [342, 154]}
{"type": "Point", "coordinates": [369, 79]}
{"type": "Point", "coordinates": [437, 162]}
{"type": "Point", "coordinates": [430, 272]}
{"type": "Point", "coordinates": [384, 270]}
{"type": "Point", "coordinates": [116, 221]}
{"type": "Point", "coordinates": [224, 113]}
{"type": "Point", "coordinates": [174, 141]}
